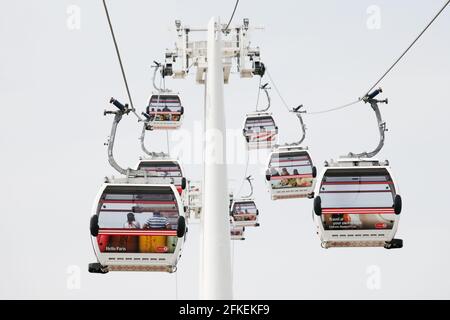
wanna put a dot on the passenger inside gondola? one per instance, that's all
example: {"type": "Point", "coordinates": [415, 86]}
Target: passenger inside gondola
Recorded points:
{"type": "Point", "coordinates": [164, 108]}
{"type": "Point", "coordinates": [244, 211]}
{"type": "Point", "coordinates": [131, 222]}
{"type": "Point", "coordinates": [290, 170]}
{"type": "Point", "coordinates": [157, 213]}
{"type": "Point", "coordinates": [156, 221]}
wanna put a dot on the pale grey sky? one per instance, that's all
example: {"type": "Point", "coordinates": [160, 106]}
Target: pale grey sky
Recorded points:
{"type": "Point", "coordinates": [55, 83]}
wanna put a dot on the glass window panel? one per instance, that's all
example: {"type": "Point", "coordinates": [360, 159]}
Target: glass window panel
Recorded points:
{"type": "Point", "coordinates": [359, 199]}
{"type": "Point", "coordinates": [290, 170]}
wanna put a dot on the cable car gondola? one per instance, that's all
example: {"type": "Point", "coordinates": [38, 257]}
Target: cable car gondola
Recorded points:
{"type": "Point", "coordinates": [290, 171]}
{"type": "Point", "coordinates": [260, 130]}
{"type": "Point", "coordinates": [357, 204]}
{"type": "Point", "coordinates": [137, 227]}
{"type": "Point", "coordinates": [243, 210]}
{"type": "Point", "coordinates": [245, 213]}
{"type": "Point", "coordinates": [164, 111]}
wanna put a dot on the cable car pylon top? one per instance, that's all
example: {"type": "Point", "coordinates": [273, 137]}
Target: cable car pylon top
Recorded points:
{"type": "Point", "coordinates": [370, 98]}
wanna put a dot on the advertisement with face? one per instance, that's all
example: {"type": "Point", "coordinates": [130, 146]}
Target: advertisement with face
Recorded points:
{"type": "Point", "coordinates": [244, 211]}
{"type": "Point", "coordinates": [290, 170]}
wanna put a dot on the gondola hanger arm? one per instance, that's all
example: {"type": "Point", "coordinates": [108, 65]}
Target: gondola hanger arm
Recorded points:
{"type": "Point", "coordinates": [370, 98]}
{"type": "Point", "coordinates": [157, 66]}
{"type": "Point", "coordinates": [122, 109]}
{"type": "Point", "coordinates": [142, 140]}
{"type": "Point", "coordinates": [265, 88]}
{"type": "Point", "coordinates": [298, 112]}
{"type": "Point", "coordinates": [249, 179]}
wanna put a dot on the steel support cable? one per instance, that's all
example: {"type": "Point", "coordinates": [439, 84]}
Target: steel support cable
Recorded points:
{"type": "Point", "coordinates": [259, 92]}
{"type": "Point", "coordinates": [232, 15]}
{"type": "Point", "coordinates": [335, 108]}
{"type": "Point", "coordinates": [120, 60]}
{"type": "Point", "coordinates": [379, 80]}
{"type": "Point", "coordinates": [278, 91]}
{"type": "Point", "coordinates": [316, 112]}
{"type": "Point", "coordinates": [407, 49]}
{"type": "Point", "coordinates": [245, 174]}
{"type": "Point", "coordinates": [162, 82]}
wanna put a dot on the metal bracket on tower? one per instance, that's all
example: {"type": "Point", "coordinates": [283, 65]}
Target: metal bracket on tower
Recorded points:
{"type": "Point", "coordinates": [236, 47]}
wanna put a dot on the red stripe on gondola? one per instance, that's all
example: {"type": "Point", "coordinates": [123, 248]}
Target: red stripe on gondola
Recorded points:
{"type": "Point", "coordinates": [290, 166]}
{"type": "Point", "coordinates": [166, 210]}
{"type": "Point", "coordinates": [262, 134]}
{"type": "Point", "coordinates": [262, 139]}
{"type": "Point", "coordinates": [291, 177]}
{"type": "Point", "coordinates": [364, 209]}
{"type": "Point", "coordinates": [159, 104]}
{"type": "Point", "coordinates": [293, 159]}
{"type": "Point", "coordinates": [166, 127]}
{"type": "Point", "coordinates": [131, 232]}
{"type": "Point", "coordinates": [138, 201]}
{"type": "Point", "coordinates": [358, 211]}
{"type": "Point", "coordinates": [164, 112]}
{"type": "Point", "coordinates": [259, 120]}
{"type": "Point", "coordinates": [150, 168]}
{"type": "Point", "coordinates": [356, 182]}
{"type": "Point", "coordinates": [355, 191]}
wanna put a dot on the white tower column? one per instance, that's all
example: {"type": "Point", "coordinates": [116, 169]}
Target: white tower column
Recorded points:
{"type": "Point", "coordinates": [216, 272]}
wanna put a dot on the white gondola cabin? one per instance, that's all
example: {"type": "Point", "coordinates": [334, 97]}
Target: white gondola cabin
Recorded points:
{"type": "Point", "coordinates": [244, 213]}
{"type": "Point", "coordinates": [137, 227]}
{"type": "Point", "coordinates": [260, 130]}
{"type": "Point", "coordinates": [357, 204]}
{"type": "Point", "coordinates": [290, 173]}
{"type": "Point", "coordinates": [164, 111]}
